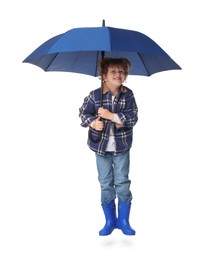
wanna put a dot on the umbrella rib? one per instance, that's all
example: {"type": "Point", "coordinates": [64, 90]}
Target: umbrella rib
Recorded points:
{"type": "Point", "coordinates": [148, 73]}
{"type": "Point", "coordinates": [52, 61]}
{"type": "Point", "coordinates": [97, 58]}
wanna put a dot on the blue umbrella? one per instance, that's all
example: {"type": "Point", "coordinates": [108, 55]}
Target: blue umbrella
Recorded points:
{"type": "Point", "coordinates": [78, 50]}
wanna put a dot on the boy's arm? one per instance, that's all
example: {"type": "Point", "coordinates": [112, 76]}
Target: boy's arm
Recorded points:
{"type": "Point", "coordinates": [87, 111]}
{"type": "Point", "coordinates": [117, 121]}
{"type": "Point", "coordinates": [129, 116]}
{"type": "Point", "coordinates": [106, 114]}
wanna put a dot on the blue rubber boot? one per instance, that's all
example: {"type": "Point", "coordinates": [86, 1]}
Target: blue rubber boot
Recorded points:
{"type": "Point", "coordinates": [110, 216]}
{"type": "Point", "coordinates": [123, 218]}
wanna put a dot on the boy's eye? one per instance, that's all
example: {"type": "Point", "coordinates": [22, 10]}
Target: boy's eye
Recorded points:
{"type": "Point", "coordinates": [117, 72]}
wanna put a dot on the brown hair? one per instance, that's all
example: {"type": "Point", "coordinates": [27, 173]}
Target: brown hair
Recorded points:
{"type": "Point", "coordinates": [104, 63]}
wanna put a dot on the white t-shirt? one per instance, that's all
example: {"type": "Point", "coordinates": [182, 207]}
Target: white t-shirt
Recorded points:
{"type": "Point", "coordinates": [111, 146]}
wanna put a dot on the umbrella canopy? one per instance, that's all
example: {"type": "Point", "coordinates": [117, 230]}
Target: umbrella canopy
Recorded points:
{"type": "Point", "coordinates": [79, 49]}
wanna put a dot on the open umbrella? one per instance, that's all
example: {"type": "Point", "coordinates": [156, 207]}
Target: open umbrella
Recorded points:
{"type": "Point", "coordinates": [78, 50]}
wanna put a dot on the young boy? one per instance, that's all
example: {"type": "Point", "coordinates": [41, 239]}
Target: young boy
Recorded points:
{"type": "Point", "coordinates": [116, 119]}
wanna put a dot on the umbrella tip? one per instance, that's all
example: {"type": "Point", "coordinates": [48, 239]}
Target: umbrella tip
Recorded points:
{"type": "Point", "coordinates": [103, 23]}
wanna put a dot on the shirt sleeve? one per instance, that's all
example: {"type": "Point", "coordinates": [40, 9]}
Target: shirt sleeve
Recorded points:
{"type": "Point", "coordinates": [129, 115]}
{"type": "Point", "coordinates": [87, 111]}
{"type": "Point", "coordinates": [117, 120]}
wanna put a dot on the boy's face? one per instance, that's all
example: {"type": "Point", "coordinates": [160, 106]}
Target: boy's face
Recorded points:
{"type": "Point", "coordinates": [115, 76]}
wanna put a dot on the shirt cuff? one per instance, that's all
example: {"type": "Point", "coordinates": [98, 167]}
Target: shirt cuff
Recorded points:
{"type": "Point", "coordinates": [117, 120]}
{"type": "Point", "coordinates": [92, 123]}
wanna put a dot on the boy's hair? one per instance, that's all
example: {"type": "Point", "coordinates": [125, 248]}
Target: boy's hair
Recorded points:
{"type": "Point", "coordinates": [104, 63]}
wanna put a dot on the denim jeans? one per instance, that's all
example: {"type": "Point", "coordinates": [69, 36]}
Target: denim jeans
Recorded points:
{"type": "Point", "coordinates": [113, 176]}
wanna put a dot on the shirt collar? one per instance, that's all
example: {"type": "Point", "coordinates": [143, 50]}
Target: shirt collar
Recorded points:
{"type": "Point", "coordinates": [122, 88]}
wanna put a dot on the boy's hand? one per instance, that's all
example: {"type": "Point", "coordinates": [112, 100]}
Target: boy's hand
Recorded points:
{"type": "Point", "coordinates": [98, 124]}
{"type": "Point", "coordinates": [105, 113]}
{"type": "Point", "coordinates": [118, 125]}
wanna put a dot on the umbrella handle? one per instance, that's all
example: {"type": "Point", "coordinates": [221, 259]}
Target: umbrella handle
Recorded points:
{"type": "Point", "coordinates": [91, 136]}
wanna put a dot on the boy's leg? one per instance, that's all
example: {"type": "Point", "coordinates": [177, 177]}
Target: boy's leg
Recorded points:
{"type": "Point", "coordinates": [121, 176]}
{"type": "Point", "coordinates": [105, 177]}
{"type": "Point", "coordinates": [122, 185]}
{"type": "Point", "coordinates": [108, 195]}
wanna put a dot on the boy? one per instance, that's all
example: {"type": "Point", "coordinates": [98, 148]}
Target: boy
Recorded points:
{"type": "Point", "coordinates": [116, 119]}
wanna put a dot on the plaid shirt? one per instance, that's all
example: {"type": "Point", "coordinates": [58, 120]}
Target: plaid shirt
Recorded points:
{"type": "Point", "coordinates": [124, 106]}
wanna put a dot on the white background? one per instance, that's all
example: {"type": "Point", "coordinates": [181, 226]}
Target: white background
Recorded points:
{"type": "Point", "coordinates": [49, 193]}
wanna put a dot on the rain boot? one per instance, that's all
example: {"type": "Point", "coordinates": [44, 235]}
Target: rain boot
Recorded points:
{"type": "Point", "coordinates": [110, 216]}
{"type": "Point", "coordinates": [123, 218]}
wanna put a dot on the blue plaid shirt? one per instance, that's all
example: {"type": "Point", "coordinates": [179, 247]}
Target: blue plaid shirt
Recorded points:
{"type": "Point", "coordinates": [124, 106]}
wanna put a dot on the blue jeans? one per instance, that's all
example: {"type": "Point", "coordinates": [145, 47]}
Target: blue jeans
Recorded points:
{"type": "Point", "coordinates": [113, 172]}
